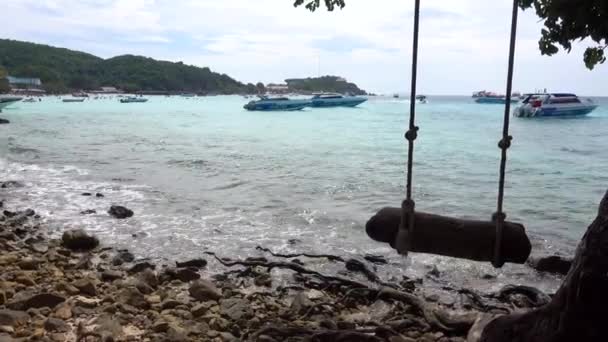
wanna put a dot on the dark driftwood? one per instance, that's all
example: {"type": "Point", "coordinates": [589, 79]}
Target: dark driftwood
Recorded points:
{"type": "Point", "coordinates": [578, 310]}
{"type": "Point", "coordinates": [434, 234]}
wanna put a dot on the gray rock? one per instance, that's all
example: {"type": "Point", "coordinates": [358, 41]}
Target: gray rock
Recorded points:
{"type": "Point", "coordinates": [55, 324]}
{"type": "Point", "coordinates": [79, 240]}
{"type": "Point", "coordinates": [122, 256]}
{"type": "Point", "coordinates": [86, 286]}
{"type": "Point", "coordinates": [88, 212]}
{"type": "Point", "coordinates": [170, 304]}
{"type": "Point", "coordinates": [236, 309]}
{"type": "Point", "coordinates": [131, 296]}
{"type": "Point", "coordinates": [26, 300]}
{"type": "Point", "coordinates": [13, 318]}
{"type": "Point", "coordinates": [120, 212]}
{"type": "Point", "coordinates": [143, 287]}
{"type": "Point", "coordinates": [29, 264]}
{"type": "Point", "coordinates": [11, 184]}
{"type": "Point", "coordinates": [160, 326]}
{"type": "Point", "coordinates": [196, 263]}
{"type": "Point", "coordinates": [200, 309]}
{"type": "Point", "coordinates": [300, 303]}
{"type": "Point", "coordinates": [551, 264]}
{"type": "Point", "coordinates": [111, 275]}
{"type": "Point", "coordinates": [204, 290]}
{"type": "Point", "coordinates": [149, 278]}
{"type": "Point", "coordinates": [181, 274]}
{"type": "Point", "coordinates": [139, 267]}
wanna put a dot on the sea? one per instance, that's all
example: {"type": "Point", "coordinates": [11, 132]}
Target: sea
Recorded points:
{"type": "Point", "coordinates": [203, 174]}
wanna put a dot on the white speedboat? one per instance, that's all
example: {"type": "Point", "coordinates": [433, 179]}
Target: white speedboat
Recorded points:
{"type": "Point", "coordinates": [266, 103]}
{"type": "Point", "coordinates": [7, 100]}
{"type": "Point", "coordinates": [554, 105]}
{"type": "Point", "coordinates": [336, 100]}
{"type": "Point", "coordinates": [133, 99]}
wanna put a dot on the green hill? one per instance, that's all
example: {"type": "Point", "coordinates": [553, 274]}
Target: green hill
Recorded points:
{"type": "Point", "coordinates": [62, 70]}
{"type": "Point", "coordinates": [332, 84]}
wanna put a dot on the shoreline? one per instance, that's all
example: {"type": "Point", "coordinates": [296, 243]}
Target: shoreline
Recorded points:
{"type": "Point", "coordinates": [62, 289]}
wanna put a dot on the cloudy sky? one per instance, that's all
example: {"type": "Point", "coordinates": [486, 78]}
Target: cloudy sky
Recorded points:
{"type": "Point", "coordinates": [463, 43]}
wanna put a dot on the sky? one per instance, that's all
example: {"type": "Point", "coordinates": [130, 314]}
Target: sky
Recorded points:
{"type": "Point", "coordinates": [463, 43]}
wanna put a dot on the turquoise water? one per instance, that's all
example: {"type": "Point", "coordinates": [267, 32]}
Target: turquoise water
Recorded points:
{"type": "Point", "coordinates": [204, 174]}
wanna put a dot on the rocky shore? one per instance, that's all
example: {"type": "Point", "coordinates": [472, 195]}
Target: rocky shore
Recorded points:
{"type": "Point", "coordinates": [76, 289]}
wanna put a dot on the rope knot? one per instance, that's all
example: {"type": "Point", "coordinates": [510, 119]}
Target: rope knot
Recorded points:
{"type": "Point", "coordinates": [505, 142]}
{"type": "Point", "coordinates": [412, 134]}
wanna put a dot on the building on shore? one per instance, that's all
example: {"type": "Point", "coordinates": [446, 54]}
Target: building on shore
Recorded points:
{"type": "Point", "coordinates": [277, 88]}
{"type": "Point", "coordinates": [25, 85]}
{"type": "Point", "coordinates": [106, 90]}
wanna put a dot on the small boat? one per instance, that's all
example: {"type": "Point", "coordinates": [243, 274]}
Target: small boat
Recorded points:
{"type": "Point", "coordinates": [30, 100]}
{"type": "Point", "coordinates": [553, 105]}
{"type": "Point", "coordinates": [266, 103]}
{"type": "Point", "coordinates": [133, 99]}
{"type": "Point", "coordinates": [421, 99]}
{"type": "Point", "coordinates": [8, 100]}
{"type": "Point", "coordinates": [336, 100]}
{"type": "Point", "coordinates": [486, 97]}
{"type": "Point", "coordinates": [395, 96]}
{"type": "Point", "coordinates": [74, 100]}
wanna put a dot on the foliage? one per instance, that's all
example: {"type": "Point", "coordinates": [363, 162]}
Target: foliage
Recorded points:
{"type": "Point", "coordinates": [261, 89]}
{"type": "Point", "coordinates": [565, 21]}
{"type": "Point", "coordinates": [332, 84]}
{"type": "Point", "coordinates": [62, 70]}
{"type": "Point", "coordinates": [4, 86]}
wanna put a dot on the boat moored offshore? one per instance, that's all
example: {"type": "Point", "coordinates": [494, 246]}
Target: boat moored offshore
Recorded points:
{"type": "Point", "coordinates": [133, 99]}
{"type": "Point", "coordinates": [266, 103]}
{"type": "Point", "coordinates": [336, 100]}
{"type": "Point", "coordinates": [554, 105]}
{"type": "Point", "coordinates": [486, 97]}
{"type": "Point", "coordinates": [7, 100]}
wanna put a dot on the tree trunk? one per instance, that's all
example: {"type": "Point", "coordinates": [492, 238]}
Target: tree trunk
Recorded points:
{"type": "Point", "coordinates": [442, 235]}
{"type": "Point", "coordinates": [579, 309]}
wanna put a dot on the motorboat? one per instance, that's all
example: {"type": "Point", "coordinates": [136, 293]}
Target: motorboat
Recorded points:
{"type": "Point", "coordinates": [554, 105]}
{"type": "Point", "coordinates": [266, 103]}
{"type": "Point", "coordinates": [30, 100]}
{"type": "Point", "coordinates": [133, 99]}
{"type": "Point", "coordinates": [486, 97]}
{"type": "Point", "coordinates": [7, 100]}
{"type": "Point", "coordinates": [80, 99]}
{"type": "Point", "coordinates": [421, 99]}
{"type": "Point", "coordinates": [336, 100]}
{"type": "Point", "coordinates": [80, 94]}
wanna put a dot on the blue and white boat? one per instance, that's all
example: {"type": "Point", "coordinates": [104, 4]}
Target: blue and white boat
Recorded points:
{"type": "Point", "coordinates": [336, 100]}
{"type": "Point", "coordinates": [486, 97]}
{"type": "Point", "coordinates": [7, 100]}
{"type": "Point", "coordinates": [266, 103]}
{"type": "Point", "coordinates": [554, 105]}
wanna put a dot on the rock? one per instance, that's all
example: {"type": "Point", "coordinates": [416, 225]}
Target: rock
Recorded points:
{"type": "Point", "coordinates": [55, 324]}
{"type": "Point", "coordinates": [170, 304]}
{"type": "Point", "coordinates": [149, 278]}
{"type": "Point", "coordinates": [86, 287]}
{"type": "Point", "coordinates": [4, 121]}
{"type": "Point", "coordinates": [122, 256]}
{"type": "Point", "coordinates": [160, 326]}
{"type": "Point", "coordinates": [182, 274]}
{"type": "Point", "coordinates": [143, 287]}
{"type": "Point", "coordinates": [79, 240]}
{"type": "Point", "coordinates": [120, 212]}
{"type": "Point", "coordinates": [84, 302]}
{"type": "Point", "coordinates": [11, 184]}
{"type": "Point", "coordinates": [204, 290]}
{"type": "Point", "coordinates": [68, 288]}
{"type": "Point", "coordinates": [551, 264]}
{"type": "Point", "coordinates": [111, 275]}
{"type": "Point", "coordinates": [13, 318]}
{"type": "Point", "coordinates": [25, 280]}
{"type": "Point", "coordinates": [99, 195]}
{"type": "Point", "coordinates": [300, 303]}
{"type": "Point", "coordinates": [63, 311]}
{"type": "Point", "coordinates": [197, 263]}
{"type": "Point", "coordinates": [25, 300]}
{"type": "Point", "coordinates": [154, 299]}
{"type": "Point", "coordinates": [376, 259]}
{"type": "Point", "coordinates": [88, 212]}
{"type": "Point", "coordinates": [86, 194]}
{"type": "Point", "coordinates": [200, 309]}
{"type": "Point", "coordinates": [227, 337]}
{"type": "Point", "coordinates": [133, 297]}
{"type": "Point", "coordinates": [176, 334]}
{"type": "Point", "coordinates": [140, 267]}
{"type": "Point", "coordinates": [236, 309]}
{"type": "Point", "coordinates": [263, 279]}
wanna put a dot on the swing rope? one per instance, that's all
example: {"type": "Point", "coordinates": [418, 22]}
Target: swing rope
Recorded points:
{"type": "Point", "coordinates": [408, 205]}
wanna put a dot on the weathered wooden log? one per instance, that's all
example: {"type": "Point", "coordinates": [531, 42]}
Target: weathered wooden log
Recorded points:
{"type": "Point", "coordinates": [467, 239]}
{"type": "Point", "coordinates": [579, 309]}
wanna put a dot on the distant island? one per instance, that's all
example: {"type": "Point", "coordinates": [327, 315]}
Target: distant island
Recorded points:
{"type": "Point", "coordinates": [59, 70]}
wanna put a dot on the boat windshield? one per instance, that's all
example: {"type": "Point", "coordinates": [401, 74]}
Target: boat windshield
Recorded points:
{"type": "Point", "coordinates": [564, 99]}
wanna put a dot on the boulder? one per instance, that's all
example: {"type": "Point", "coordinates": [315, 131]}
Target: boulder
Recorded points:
{"type": "Point", "coordinates": [111, 275]}
{"type": "Point", "coordinates": [551, 264]}
{"type": "Point", "coordinates": [236, 309]}
{"type": "Point", "coordinates": [204, 290]}
{"type": "Point", "coordinates": [79, 240]}
{"type": "Point", "coordinates": [25, 300]}
{"type": "Point", "coordinates": [181, 274]}
{"type": "Point", "coordinates": [86, 287]}
{"type": "Point", "coordinates": [131, 296]}
{"type": "Point", "coordinates": [99, 195]}
{"type": "Point", "coordinates": [29, 264]}
{"type": "Point", "coordinates": [13, 318]}
{"type": "Point", "coordinates": [11, 184]}
{"type": "Point", "coordinates": [122, 256]}
{"type": "Point", "coordinates": [139, 267]}
{"type": "Point", "coordinates": [120, 212]}
{"type": "Point", "coordinates": [300, 303]}
{"type": "Point", "coordinates": [56, 324]}
{"type": "Point", "coordinates": [149, 278]}
{"type": "Point", "coordinates": [196, 263]}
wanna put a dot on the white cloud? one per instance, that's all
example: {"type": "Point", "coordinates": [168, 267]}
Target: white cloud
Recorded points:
{"type": "Point", "coordinates": [463, 44]}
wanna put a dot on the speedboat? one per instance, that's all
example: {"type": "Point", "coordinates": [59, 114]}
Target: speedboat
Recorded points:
{"type": "Point", "coordinates": [492, 98]}
{"type": "Point", "coordinates": [421, 99]}
{"type": "Point", "coordinates": [336, 100]}
{"type": "Point", "coordinates": [554, 104]}
{"type": "Point", "coordinates": [133, 99]}
{"type": "Point", "coordinates": [80, 99]}
{"type": "Point", "coordinates": [7, 100]}
{"type": "Point", "coordinates": [266, 103]}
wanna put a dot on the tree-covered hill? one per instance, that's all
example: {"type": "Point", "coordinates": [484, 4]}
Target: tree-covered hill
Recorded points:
{"type": "Point", "coordinates": [62, 70]}
{"type": "Point", "coordinates": [333, 84]}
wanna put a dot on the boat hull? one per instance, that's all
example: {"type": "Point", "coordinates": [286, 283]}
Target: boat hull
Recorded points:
{"type": "Point", "coordinates": [341, 102]}
{"type": "Point", "coordinates": [269, 106]}
{"type": "Point", "coordinates": [570, 111]}
{"type": "Point", "coordinates": [7, 101]}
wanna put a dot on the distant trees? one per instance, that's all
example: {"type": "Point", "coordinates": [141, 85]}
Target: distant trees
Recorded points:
{"type": "Point", "coordinates": [4, 86]}
{"type": "Point", "coordinates": [333, 84]}
{"type": "Point", "coordinates": [261, 89]}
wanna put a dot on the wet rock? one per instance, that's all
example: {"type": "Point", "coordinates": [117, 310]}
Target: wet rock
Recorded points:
{"type": "Point", "coordinates": [111, 275]}
{"type": "Point", "coordinates": [181, 274]}
{"type": "Point", "coordinates": [376, 259]}
{"type": "Point", "coordinates": [139, 267]}
{"type": "Point", "coordinates": [354, 265]}
{"type": "Point", "coordinates": [120, 212]}
{"type": "Point", "coordinates": [149, 278]}
{"type": "Point", "coordinates": [4, 121]}
{"type": "Point", "coordinates": [551, 264]}
{"type": "Point", "coordinates": [236, 309]}
{"type": "Point", "coordinates": [300, 303]}
{"type": "Point", "coordinates": [176, 334]}
{"type": "Point", "coordinates": [99, 195]}
{"type": "Point", "coordinates": [88, 212]}
{"type": "Point", "coordinates": [86, 287]}
{"type": "Point", "coordinates": [13, 318]}
{"type": "Point", "coordinates": [196, 263]}
{"type": "Point", "coordinates": [160, 326]}
{"type": "Point", "coordinates": [133, 297]}
{"type": "Point", "coordinates": [294, 241]}
{"type": "Point", "coordinates": [25, 300]}
{"type": "Point", "coordinates": [57, 325]}
{"type": "Point", "coordinates": [143, 287]}
{"type": "Point", "coordinates": [122, 257]}
{"type": "Point", "coordinates": [86, 194]}
{"type": "Point", "coordinates": [79, 240]}
{"type": "Point", "coordinates": [204, 290]}
{"type": "Point", "coordinates": [170, 304]}
{"type": "Point", "coordinates": [200, 309]}
{"type": "Point", "coordinates": [11, 184]}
